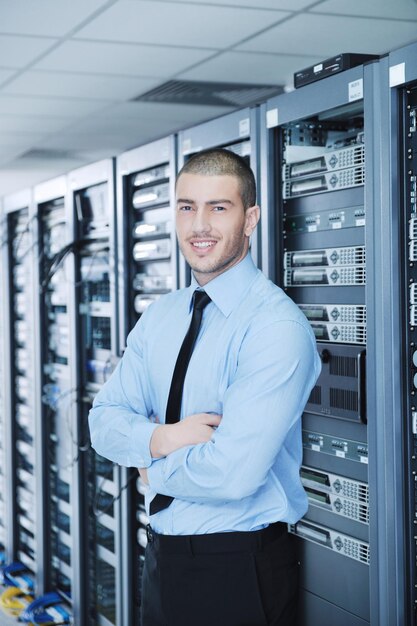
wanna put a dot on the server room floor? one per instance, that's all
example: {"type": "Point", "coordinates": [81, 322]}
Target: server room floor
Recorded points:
{"type": "Point", "coordinates": [7, 621]}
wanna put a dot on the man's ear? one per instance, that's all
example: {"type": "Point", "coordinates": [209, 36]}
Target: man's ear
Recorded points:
{"type": "Point", "coordinates": [252, 216]}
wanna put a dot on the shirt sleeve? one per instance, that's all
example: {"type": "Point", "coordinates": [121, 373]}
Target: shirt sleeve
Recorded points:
{"type": "Point", "coordinates": [277, 368]}
{"type": "Point", "coordinates": [119, 423]}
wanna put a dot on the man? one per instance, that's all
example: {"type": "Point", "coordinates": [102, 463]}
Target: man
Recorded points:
{"type": "Point", "coordinates": [224, 480]}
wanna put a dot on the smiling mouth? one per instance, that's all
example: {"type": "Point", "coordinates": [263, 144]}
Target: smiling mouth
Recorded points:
{"type": "Point", "coordinates": [203, 245]}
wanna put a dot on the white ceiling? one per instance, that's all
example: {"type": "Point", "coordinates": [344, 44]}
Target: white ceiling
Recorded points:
{"type": "Point", "coordinates": [69, 70]}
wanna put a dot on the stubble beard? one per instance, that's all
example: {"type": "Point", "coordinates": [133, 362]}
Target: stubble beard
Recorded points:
{"type": "Point", "coordinates": [234, 252]}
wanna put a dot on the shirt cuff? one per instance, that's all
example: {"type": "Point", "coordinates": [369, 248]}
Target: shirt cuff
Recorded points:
{"type": "Point", "coordinates": [156, 477]}
{"type": "Point", "coordinates": [140, 453]}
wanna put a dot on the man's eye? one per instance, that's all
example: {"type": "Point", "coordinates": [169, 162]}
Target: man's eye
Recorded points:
{"type": "Point", "coordinates": [186, 207]}
{"type": "Point", "coordinates": [219, 208]}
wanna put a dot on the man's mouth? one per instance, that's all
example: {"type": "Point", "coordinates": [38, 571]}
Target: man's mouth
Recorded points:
{"type": "Point", "coordinates": [203, 244]}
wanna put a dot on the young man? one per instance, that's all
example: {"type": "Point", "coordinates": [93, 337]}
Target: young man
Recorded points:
{"type": "Point", "coordinates": [223, 470]}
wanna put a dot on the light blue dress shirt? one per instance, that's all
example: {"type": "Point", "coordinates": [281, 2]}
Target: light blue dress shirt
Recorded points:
{"type": "Point", "coordinates": [255, 362]}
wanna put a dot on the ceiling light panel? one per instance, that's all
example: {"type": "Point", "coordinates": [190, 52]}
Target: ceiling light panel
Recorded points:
{"type": "Point", "coordinates": [178, 24]}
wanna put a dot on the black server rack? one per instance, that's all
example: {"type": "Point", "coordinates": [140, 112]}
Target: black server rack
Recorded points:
{"type": "Point", "coordinates": [238, 132]}
{"type": "Point", "coordinates": [91, 204]}
{"type": "Point", "coordinates": [316, 149]}
{"type": "Point", "coordinates": [147, 263]}
{"type": "Point", "coordinates": [21, 497]}
{"type": "Point", "coordinates": [399, 78]}
{"type": "Point", "coordinates": [3, 478]}
{"type": "Point", "coordinates": [56, 397]}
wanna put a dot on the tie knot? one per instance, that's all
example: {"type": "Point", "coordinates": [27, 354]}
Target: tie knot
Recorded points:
{"type": "Point", "coordinates": [201, 299]}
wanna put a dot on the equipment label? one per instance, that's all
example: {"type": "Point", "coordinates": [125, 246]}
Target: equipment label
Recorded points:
{"type": "Point", "coordinates": [356, 90]}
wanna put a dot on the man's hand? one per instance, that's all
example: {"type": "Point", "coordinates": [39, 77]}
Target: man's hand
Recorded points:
{"type": "Point", "coordinates": [197, 428]}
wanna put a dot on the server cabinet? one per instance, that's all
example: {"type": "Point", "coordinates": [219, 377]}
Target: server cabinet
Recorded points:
{"type": "Point", "coordinates": [147, 262]}
{"type": "Point", "coordinates": [317, 196]}
{"type": "Point", "coordinates": [94, 337]}
{"type": "Point", "coordinates": [238, 132]}
{"type": "Point", "coordinates": [22, 497]}
{"type": "Point", "coordinates": [399, 132]}
{"type": "Point", "coordinates": [3, 478]}
{"type": "Point", "coordinates": [56, 396]}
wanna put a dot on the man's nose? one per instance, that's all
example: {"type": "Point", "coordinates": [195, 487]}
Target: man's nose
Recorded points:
{"type": "Point", "coordinates": [201, 222]}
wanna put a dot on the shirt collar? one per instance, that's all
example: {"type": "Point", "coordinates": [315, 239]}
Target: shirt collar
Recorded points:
{"type": "Point", "coordinates": [228, 288]}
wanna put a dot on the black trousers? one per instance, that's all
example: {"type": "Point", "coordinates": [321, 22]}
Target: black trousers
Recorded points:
{"type": "Point", "coordinates": [223, 579]}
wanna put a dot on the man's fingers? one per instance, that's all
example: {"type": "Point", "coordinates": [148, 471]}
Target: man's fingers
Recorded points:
{"type": "Point", "coordinates": [212, 419]}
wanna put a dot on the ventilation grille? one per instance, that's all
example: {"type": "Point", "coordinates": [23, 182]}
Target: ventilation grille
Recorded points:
{"type": "Point", "coordinates": [343, 366]}
{"type": "Point", "coordinates": [315, 395]}
{"type": "Point", "coordinates": [45, 154]}
{"type": "Point", "coordinates": [344, 399]}
{"type": "Point", "coordinates": [209, 93]}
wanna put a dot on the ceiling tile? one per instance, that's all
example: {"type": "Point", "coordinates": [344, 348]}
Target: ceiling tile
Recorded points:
{"type": "Point", "coordinates": [27, 123]}
{"type": "Point", "coordinates": [79, 85]}
{"type": "Point", "coordinates": [250, 67]}
{"type": "Point", "coordinates": [19, 51]}
{"type": "Point", "coordinates": [277, 5]}
{"type": "Point", "coordinates": [116, 58]}
{"type": "Point", "coordinates": [151, 21]}
{"type": "Point", "coordinates": [18, 139]}
{"type": "Point", "coordinates": [400, 9]}
{"type": "Point", "coordinates": [5, 74]}
{"type": "Point", "coordinates": [326, 36]}
{"type": "Point", "coordinates": [53, 18]}
{"type": "Point", "coordinates": [48, 107]}
{"type": "Point", "coordinates": [136, 112]}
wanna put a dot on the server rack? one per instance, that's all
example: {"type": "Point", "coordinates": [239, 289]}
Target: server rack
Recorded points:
{"type": "Point", "coordinates": [318, 164]}
{"type": "Point", "coordinates": [238, 132]}
{"type": "Point", "coordinates": [23, 429]}
{"type": "Point", "coordinates": [147, 268]}
{"type": "Point", "coordinates": [91, 215]}
{"type": "Point", "coordinates": [399, 78]}
{"type": "Point", "coordinates": [56, 398]}
{"type": "Point", "coordinates": [3, 478]}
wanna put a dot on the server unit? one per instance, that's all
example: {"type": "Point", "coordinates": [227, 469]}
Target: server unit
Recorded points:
{"type": "Point", "coordinates": [93, 323]}
{"type": "Point", "coordinates": [147, 263]}
{"type": "Point", "coordinates": [315, 159]}
{"type": "Point", "coordinates": [56, 397]}
{"type": "Point", "coordinates": [237, 132]}
{"type": "Point", "coordinates": [21, 503]}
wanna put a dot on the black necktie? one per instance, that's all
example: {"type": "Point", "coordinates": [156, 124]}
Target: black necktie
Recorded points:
{"type": "Point", "coordinates": [201, 299]}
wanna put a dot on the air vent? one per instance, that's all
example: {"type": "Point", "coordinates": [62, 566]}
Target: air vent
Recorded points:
{"type": "Point", "coordinates": [315, 395]}
{"type": "Point", "coordinates": [343, 366]}
{"type": "Point", "coordinates": [209, 93]}
{"type": "Point", "coordinates": [48, 155]}
{"type": "Point", "coordinates": [344, 399]}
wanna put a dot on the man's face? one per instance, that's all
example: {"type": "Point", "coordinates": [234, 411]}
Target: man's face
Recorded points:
{"type": "Point", "coordinates": [213, 228]}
